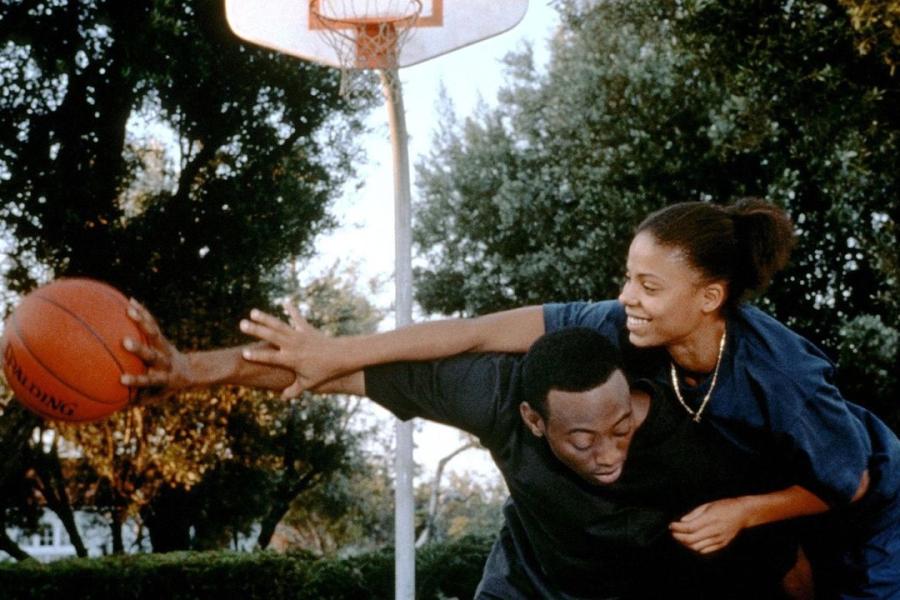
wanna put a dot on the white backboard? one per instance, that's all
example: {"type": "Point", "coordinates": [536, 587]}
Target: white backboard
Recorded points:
{"type": "Point", "coordinates": [290, 26]}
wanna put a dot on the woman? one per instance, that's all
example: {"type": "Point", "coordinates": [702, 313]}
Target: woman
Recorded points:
{"type": "Point", "coordinates": [680, 319]}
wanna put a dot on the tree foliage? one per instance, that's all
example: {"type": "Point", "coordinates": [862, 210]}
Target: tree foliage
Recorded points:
{"type": "Point", "coordinates": [19, 500]}
{"type": "Point", "coordinates": [353, 513]}
{"type": "Point", "coordinates": [143, 144]}
{"type": "Point", "coordinates": [218, 462]}
{"type": "Point", "coordinates": [469, 506]}
{"type": "Point", "coordinates": [877, 23]}
{"type": "Point", "coordinates": [645, 103]}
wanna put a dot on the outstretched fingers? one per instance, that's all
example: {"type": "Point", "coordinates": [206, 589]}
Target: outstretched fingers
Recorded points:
{"type": "Point", "coordinates": [151, 378]}
{"type": "Point", "coordinates": [285, 344]}
{"type": "Point", "coordinates": [267, 328]}
{"type": "Point", "coordinates": [293, 391]}
{"type": "Point", "coordinates": [156, 362]}
{"type": "Point", "coordinates": [277, 335]}
{"type": "Point", "coordinates": [263, 354]}
{"type": "Point", "coordinates": [148, 354]}
{"type": "Point", "coordinates": [295, 319]}
{"type": "Point", "coordinates": [143, 319]}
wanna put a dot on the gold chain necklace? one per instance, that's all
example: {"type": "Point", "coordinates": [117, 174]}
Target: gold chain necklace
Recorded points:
{"type": "Point", "coordinates": [712, 384]}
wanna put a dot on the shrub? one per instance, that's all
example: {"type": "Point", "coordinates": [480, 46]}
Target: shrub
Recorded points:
{"type": "Point", "coordinates": [445, 570]}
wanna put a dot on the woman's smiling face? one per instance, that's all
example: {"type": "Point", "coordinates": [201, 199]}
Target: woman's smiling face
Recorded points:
{"type": "Point", "coordinates": [663, 295]}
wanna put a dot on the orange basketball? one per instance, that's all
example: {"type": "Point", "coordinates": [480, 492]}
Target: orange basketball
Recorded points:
{"type": "Point", "coordinates": [63, 354]}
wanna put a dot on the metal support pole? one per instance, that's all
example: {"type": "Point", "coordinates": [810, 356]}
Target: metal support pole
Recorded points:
{"type": "Point", "coordinates": [404, 506]}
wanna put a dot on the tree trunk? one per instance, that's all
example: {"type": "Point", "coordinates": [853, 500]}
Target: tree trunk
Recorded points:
{"type": "Point", "coordinates": [281, 503]}
{"type": "Point", "coordinates": [428, 532]}
{"type": "Point", "coordinates": [116, 523]}
{"type": "Point", "coordinates": [167, 519]}
{"type": "Point", "coordinates": [12, 548]}
{"type": "Point", "coordinates": [16, 426]}
{"type": "Point", "coordinates": [8, 545]}
{"type": "Point", "coordinates": [53, 488]}
{"type": "Point", "coordinates": [285, 491]}
{"type": "Point", "coordinates": [67, 516]}
{"type": "Point", "coordinates": [270, 522]}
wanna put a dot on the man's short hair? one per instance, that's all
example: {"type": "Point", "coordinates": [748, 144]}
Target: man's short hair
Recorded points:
{"type": "Point", "coordinates": [576, 359]}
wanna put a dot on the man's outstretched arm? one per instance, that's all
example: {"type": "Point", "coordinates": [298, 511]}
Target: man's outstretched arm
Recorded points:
{"type": "Point", "coordinates": [170, 370]}
{"type": "Point", "coordinates": [353, 384]}
{"type": "Point", "coordinates": [463, 392]}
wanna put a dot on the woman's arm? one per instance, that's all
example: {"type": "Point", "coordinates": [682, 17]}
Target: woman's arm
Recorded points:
{"type": "Point", "coordinates": [713, 525]}
{"type": "Point", "coordinates": [316, 357]}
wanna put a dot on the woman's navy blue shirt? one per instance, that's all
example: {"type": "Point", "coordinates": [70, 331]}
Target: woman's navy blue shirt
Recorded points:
{"type": "Point", "coordinates": [775, 390]}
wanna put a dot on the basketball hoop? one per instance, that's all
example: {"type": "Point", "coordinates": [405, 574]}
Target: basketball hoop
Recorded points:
{"type": "Point", "coordinates": [365, 34]}
{"type": "Point", "coordinates": [357, 36]}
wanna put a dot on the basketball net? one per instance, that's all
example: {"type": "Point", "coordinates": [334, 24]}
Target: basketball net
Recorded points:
{"type": "Point", "coordinates": [365, 34]}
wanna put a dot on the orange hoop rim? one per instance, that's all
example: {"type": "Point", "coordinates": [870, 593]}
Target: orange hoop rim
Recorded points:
{"type": "Point", "coordinates": [319, 21]}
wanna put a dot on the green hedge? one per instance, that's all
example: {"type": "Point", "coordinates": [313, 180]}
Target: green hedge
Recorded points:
{"type": "Point", "coordinates": [450, 570]}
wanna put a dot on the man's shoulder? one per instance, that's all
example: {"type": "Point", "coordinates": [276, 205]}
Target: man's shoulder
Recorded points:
{"type": "Point", "coordinates": [474, 392]}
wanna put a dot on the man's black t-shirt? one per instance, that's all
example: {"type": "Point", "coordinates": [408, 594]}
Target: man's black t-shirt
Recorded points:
{"type": "Point", "coordinates": [566, 538]}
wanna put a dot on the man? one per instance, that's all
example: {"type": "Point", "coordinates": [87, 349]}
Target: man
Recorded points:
{"type": "Point", "coordinates": [596, 471]}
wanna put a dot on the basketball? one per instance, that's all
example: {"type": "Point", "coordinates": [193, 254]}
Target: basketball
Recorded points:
{"type": "Point", "coordinates": [63, 354]}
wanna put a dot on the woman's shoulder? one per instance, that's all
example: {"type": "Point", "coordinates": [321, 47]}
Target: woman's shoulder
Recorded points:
{"type": "Point", "coordinates": [774, 355]}
{"type": "Point", "coordinates": [761, 328]}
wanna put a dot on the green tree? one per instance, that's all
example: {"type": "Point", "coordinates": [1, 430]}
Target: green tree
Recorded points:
{"type": "Point", "coordinates": [353, 513]}
{"type": "Point", "coordinates": [645, 103]}
{"type": "Point", "coordinates": [19, 500]}
{"type": "Point", "coordinates": [470, 506]}
{"type": "Point", "coordinates": [260, 145]}
{"type": "Point", "coordinates": [877, 23]}
{"type": "Point", "coordinates": [868, 365]}
{"type": "Point", "coordinates": [198, 221]}
{"type": "Point", "coordinates": [218, 462]}
{"type": "Point", "coordinates": [535, 199]}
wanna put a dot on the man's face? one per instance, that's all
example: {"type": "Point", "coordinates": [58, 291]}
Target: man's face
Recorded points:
{"type": "Point", "coordinates": [590, 431]}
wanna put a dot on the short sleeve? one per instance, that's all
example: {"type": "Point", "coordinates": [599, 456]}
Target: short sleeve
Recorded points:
{"type": "Point", "coordinates": [780, 384]}
{"type": "Point", "coordinates": [607, 317]}
{"type": "Point", "coordinates": [832, 446]}
{"type": "Point", "coordinates": [472, 392]}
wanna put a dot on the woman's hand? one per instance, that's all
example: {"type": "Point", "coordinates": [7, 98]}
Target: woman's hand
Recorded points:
{"type": "Point", "coordinates": [711, 526]}
{"type": "Point", "coordinates": [313, 356]}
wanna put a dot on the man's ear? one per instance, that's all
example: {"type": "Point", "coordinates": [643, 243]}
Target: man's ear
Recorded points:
{"type": "Point", "coordinates": [714, 296]}
{"type": "Point", "coordinates": [533, 420]}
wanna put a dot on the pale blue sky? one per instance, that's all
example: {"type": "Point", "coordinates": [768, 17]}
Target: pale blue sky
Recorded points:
{"type": "Point", "coordinates": [475, 71]}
